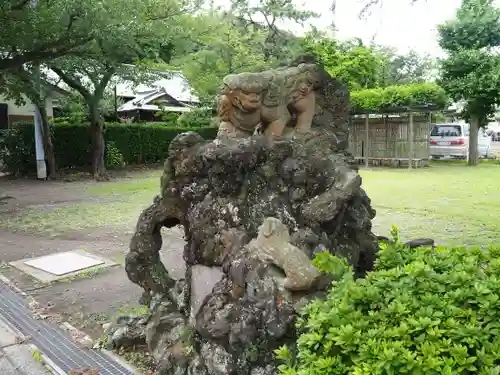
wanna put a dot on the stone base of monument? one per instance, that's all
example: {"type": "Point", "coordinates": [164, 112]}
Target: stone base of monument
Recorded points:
{"type": "Point", "coordinates": [258, 208]}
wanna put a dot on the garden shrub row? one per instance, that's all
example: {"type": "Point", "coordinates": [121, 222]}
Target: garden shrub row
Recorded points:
{"type": "Point", "coordinates": [137, 144]}
{"type": "Point", "coordinates": [390, 97]}
{"type": "Point", "coordinates": [425, 311]}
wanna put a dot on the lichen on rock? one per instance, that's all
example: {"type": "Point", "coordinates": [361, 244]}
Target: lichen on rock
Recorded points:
{"type": "Point", "coordinates": [230, 195]}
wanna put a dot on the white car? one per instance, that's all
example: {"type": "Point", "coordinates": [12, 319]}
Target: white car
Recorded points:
{"type": "Point", "coordinates": [452, 140]}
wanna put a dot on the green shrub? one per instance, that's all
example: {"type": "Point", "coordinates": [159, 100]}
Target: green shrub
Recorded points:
{"type": "Point", "coordinates": [3, 136]}
{"type": "Point", "coordinates": [198, 118]}
{"type": "Point", "coordinates": [17, 150]}
{"type": "Point", "coordinates": [399, 96]}
{"type": "Point", "coordinates": [137, 144]}
{"type": "Point", "coordinates": [61, 121]}
{"type": "Point", "coordinates": [113, 158]}
{"type": "Point", "coordinates": [168, 117]}
{"type": "Point", "coordinates": [421, 311]}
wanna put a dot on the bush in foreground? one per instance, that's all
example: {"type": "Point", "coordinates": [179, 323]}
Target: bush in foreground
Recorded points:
{"type": "Point", "coordinates": [421, 311]}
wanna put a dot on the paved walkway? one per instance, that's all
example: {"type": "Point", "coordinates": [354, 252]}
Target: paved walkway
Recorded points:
{"type": "Point", "coordinates": [16, 356]}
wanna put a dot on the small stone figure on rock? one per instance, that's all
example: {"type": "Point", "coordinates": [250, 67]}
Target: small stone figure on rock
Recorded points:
{"type": "Point", "coordinates": [273, 245]}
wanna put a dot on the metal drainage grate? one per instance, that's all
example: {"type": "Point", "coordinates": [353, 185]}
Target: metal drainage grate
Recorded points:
{"type": "Point", "coordinates": [54, 343]}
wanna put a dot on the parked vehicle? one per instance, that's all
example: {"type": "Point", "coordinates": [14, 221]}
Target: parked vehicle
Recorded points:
{"type": "Point", "coordinates": [495, 136]}
{"type": "Point", "coordinates": [452, 140]}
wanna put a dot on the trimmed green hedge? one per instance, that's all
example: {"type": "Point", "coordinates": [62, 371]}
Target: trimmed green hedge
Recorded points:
{"type": "Point", "coordinates": [137, 143]}
{"type": "Point", "coordinates": [391, 97]}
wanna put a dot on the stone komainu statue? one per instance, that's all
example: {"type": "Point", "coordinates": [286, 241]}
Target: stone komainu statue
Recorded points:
{"type": "Point", "coordinates": [267, 100]}
{"type": "Point", "coordinates": [252, 208]}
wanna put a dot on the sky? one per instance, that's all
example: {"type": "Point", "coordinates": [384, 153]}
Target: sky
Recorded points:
{"type": "Point", "coordinates": [396, 23]}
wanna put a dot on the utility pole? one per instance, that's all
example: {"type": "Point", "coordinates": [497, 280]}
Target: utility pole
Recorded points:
{"type": "Point", "coordinates": [116, 104]}
{"type": "Point", "coordinates": [41, 168]}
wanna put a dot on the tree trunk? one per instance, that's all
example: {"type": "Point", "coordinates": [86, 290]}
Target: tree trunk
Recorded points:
{"type": "Point", "coordinates": [47, 143]}
{"type": "Point", "coordinates": [473, 140]}
{"type": "Point", "coordinates": [97, 132]}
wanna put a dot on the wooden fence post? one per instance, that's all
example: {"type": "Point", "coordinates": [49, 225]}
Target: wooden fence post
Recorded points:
{"type": "Point", "coordinates": [410, 141]}
{"type": "Point", "coordinates": [367, 138]}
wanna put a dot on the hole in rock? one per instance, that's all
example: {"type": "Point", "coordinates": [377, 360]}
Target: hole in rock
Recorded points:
{"type": "Point", "coordinates": [172, 249]}
{"type": "Point", "coordinates": [170, 222]}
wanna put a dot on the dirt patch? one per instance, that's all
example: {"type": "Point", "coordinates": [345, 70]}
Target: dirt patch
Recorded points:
{"type": "Point", "coordinates": [120, 235]}
{"type": "Point", "coordinates": [87, 303]}
{"type": "Point", "coordinates": [23, 193]}
{"type": "Point", "coordinates": [15, 246]}
{"type": "Point", "coordinates": [82, 211]}
{"type": "Point", "coordinates": [45, 217]}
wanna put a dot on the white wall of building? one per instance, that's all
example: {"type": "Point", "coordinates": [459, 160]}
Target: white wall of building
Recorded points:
{"type": "Point", "coordinates": [26, 109]}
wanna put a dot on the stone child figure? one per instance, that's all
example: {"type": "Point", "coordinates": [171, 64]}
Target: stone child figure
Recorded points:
{"type": "Point", "coordinates": [273, 245]}
{"type": "Point", "coordinates": [248, 101]}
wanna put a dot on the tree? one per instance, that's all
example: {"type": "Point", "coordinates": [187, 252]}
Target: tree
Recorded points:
{"type": "Point", "coordinates": [266, 15]}
{"type": "Point", "coordinates": [31, 35]}
{"type": "Point", "coordinates": [401, 69]}
{"type": "Point", "coordinates": [246, 38]}
{"type": "Point", "coordinates": [51, 29]}
{"type": "Point", "coordinates": [471, 72]}
{"type": "Point", "coordinates": [361, 66]}
{"type": "Point", "coordinates": [222, 47]}
{"type": "Point", "coordinates": [351, 62]}
{"type": "Point", "coordinates": [132, 25]}
{"type": "Point", "coordinates": [91, 86]}
{"type": "Point", "coordinates": [73, 109]}
{"type": "Point", "coordinates": [24, 83]}
{"type": "Point", "coordinates": [367, 6]}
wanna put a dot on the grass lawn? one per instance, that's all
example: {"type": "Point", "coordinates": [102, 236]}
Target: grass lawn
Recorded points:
{"type": "Point", "coordinates": [449, 202]}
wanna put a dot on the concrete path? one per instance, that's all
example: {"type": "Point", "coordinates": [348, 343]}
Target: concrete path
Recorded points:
{"type": "Point", "coordinates": [16, 356]}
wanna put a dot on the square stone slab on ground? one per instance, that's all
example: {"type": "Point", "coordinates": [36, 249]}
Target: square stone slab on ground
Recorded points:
{"type": "Point", "coordinates": [56, 266]}
{"type": "Point", "coordinates": [63, 263]}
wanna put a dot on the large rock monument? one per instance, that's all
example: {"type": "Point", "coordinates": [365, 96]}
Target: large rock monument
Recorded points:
{"type": "Point", "coordinates": [274, 188]}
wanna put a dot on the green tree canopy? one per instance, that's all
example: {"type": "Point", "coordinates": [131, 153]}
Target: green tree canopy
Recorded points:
{"type": "Point", "coordinates": [51, 29]}
{"type": "Point", "coordinates": [362, 67]}
{"type": "Point", "coordinates": [136, 30]}
{"type": "Point", "coordinates": [351, 62]}
{"type": "Point", "coordinates": [471, 72]}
